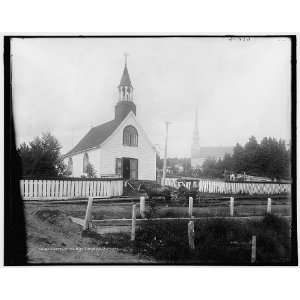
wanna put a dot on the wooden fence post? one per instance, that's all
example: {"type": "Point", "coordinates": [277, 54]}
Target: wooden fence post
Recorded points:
{"type": "Point", "coordinates": [253, 249]}
{"type": "Point", "coordinates": [269, 206]}
{"type": "Point", "coordinates": [191, 235]}
{"type": "Point", "coordinates": [88, 214]}
{"type": "Point", "coordinates": [133, 221]}
{"type": "Point", "coordinates": [142, 206]}
{"type": "Point", "coordinates": [190, 207]}
{"type": "Point", "coordinates": [231, 206]}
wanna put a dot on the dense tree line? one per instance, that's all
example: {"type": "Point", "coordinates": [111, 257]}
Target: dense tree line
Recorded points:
{"type": "Point", "coordinates": [269, 158]}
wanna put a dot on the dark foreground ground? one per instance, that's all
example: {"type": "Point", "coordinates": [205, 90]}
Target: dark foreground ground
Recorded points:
{"type": "Point", "coordinates": [53, 238]}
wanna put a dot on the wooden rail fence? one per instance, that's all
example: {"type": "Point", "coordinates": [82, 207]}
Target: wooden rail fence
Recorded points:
{"type": "Point", "coordinates": [68, 188]}
{"type": "Point", "coordinates": [87, 223]}
{"type": "Point", "coordinates": [222, 187]}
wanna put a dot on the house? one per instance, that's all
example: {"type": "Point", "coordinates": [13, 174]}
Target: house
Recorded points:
{"type": "Point", "coordinates": [119, 147]}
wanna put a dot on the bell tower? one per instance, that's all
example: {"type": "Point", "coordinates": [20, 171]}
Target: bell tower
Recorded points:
{"type": "Point", "coordinates": [125, 103]}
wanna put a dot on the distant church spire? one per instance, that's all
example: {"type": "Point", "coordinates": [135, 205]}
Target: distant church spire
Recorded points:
{"type": "Point", "coordinates": [125, 87]}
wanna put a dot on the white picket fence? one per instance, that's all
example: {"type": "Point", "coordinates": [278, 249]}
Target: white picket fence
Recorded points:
{"type": "Point", "coordinates": [68, 188]}
{"type": "Point", "coordinates": [222, 187]}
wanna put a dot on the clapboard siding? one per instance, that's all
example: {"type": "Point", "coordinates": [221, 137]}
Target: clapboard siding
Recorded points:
{"type": "Point", "coordinates": [144, 152]}
{"type": "Point", "coordinates": [222, 187]}
{"type": "Point", "coordinates": [70, 188]}
{"type": "Point", "coordinates": [104, 157]}
{"type": "Point", "coordinates": [94, 159]}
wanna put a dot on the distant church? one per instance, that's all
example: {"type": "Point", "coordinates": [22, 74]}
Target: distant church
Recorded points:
{"type": "Point", "coordinates": [119, 147]}
{"type": "Point", "coordinates": [200, 154]}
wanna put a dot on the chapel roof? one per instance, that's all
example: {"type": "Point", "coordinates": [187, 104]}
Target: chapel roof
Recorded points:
{"type": "Point", "coordinates": [125, 79]}
{"type": "Point", "coordinates": [96, 136]}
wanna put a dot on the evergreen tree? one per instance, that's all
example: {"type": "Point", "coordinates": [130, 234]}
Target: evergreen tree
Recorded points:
{"type": "Point", "coordinates": [269, 159]}
{"type": "Point", "coordinates": [42, 157]}
{"type": "Point", "coordinates": [90, 171]}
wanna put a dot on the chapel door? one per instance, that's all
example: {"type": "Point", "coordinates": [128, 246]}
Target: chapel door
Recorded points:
{"type": "Point", "coordinates": [126, 168]}
{"type": "Point", "coordinates": [119, 167]}
{"type": "Point", "coordinates": [133, 168]}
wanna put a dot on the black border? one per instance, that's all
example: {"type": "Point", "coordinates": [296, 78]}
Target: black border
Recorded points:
{"type": "Point", "coordinates": [11, 177]}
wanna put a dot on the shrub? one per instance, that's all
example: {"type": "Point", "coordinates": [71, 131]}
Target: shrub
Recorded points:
{"type": "Point", "coordinates": [217, 241]}
{"type": "Point", "coordinates": [163, 240]}
{"type": "Point", "coordinates": [90, 171]}
{"type": "Point", "coordinates": [273, 239]}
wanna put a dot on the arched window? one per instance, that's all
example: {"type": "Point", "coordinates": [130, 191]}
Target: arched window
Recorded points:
{"type": "Point", "coordinates": [130, 136]}
{"type": "Point", "coordinates": [85, 162]}
{"type": "Point", "coordinates": [70, 165]}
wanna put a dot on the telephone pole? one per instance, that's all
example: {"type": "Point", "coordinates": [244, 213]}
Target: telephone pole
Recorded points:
{"type": "Point", "coordinates": [165, 158]}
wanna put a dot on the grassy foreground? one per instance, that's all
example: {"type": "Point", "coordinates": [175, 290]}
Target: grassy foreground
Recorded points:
{"type": "Point", "coordinates": [53, 238]}
{"type": "Point", "coordinates": [216, 241]}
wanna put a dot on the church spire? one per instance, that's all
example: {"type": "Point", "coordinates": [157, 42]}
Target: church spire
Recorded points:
{"type": "Point", "coordinates": [125, 87]}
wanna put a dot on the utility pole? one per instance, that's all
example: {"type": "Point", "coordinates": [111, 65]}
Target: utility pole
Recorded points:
{"type": "Point", "coordinates": [165, 158]}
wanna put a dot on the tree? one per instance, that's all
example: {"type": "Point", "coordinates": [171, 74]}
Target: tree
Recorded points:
{"type": "Point", "coordinates": [251, 156]}
{"type": "Point", "coordinates": [90, 171]}
{"type": "Point", "coordinates": [238, 158]}
{"type": "Point", "coordinates": [42, 157]}
{"type": "Point", "coordinates": [269, 159]}
{"type": "Point", "coordinates": [211, 168]}
{"type": "Point", "coordinates": [274, 158]}
{"type": "Point", "coordinates": [226, 163]}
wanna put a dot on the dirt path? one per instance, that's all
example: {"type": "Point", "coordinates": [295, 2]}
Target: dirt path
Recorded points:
{"type": "Point", "coordinates": [53, 238]}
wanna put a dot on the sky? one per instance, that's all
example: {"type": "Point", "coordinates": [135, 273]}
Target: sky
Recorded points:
{"type": "Point", "coordinates": [241, 88]}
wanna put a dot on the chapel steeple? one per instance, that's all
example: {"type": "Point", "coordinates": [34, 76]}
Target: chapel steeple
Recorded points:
{"type": "Point", "coordinates": [125, 102]}
{"type": "Point", "coordinates": [125, 87]}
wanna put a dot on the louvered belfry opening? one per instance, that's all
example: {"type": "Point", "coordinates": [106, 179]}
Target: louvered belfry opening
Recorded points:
{"type": "Point", "coordinates": [125, 102]}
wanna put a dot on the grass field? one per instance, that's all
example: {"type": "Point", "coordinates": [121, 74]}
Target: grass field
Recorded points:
{"type": "Point", "coordinates": [217, 241]}
{"type": "Point", "coordinates": [54, 238]}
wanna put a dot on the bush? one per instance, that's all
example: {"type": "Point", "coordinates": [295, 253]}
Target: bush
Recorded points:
{"type": "Point", "coordinates": [217, 241]}
{"type": "Point", "coordinates": [273, 239]}
{"type": "Point", "coordinates": [90, 171]}
{"type": "Point", "coordinates": [163, 240]}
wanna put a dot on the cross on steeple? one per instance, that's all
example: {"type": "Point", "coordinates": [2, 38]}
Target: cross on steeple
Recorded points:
{"type": "Point", "coordinates": [126, 55]}
{"type": "Point", "coordinates": [125, 86]}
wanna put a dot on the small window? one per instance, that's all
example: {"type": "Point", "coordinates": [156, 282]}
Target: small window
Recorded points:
{"type": "Point", "coordinates": [130, 136]}
{"type": "Point", "coordinates": [85, 162]}
{"type": "Point", "coordinates": [70, 165]}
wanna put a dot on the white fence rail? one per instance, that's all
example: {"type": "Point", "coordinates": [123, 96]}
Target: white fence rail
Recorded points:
{"type": "Point", "coordinates": [222, 187]}
{"type": "Point", "coordinates": [70, 188]}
